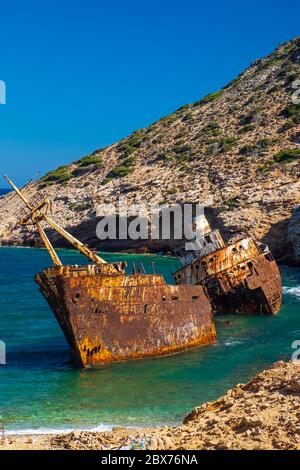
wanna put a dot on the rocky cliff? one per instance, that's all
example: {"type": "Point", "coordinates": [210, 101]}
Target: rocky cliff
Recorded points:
{"type": "Point", "coordinates": [237, 150]}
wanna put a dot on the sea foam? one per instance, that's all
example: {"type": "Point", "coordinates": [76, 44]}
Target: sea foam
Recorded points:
{"type": "Point", "coordinates": [38, 431]}
{"type": "Point", "coordinates": [295, 291]}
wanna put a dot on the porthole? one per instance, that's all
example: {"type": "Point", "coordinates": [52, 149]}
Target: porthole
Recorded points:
{"type": "Point", "coordinates": [76, 297]}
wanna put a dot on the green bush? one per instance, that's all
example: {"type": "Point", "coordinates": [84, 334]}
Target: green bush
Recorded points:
{"type": "Point", "coordinates": [184, 166]}
{"type": "Point", "coordinates": [120, 171]}
{"type": "Point", "coordinates": [212, 128]}
{"type": "Point", "coordinates": [230, 205]}
{"type": "Point", "coordinates": [124, 169]}
{"type": "Point", "coordinates": [274, 89]}
{"type": "Point", "coordinates": [273, 61]}
{"type": "Point", "coordinates": [227, 143]}
{"type": "Point", "coordinates": [247, 128]}
{"type": "Point", "coordinates": [105, 181]}
{"type": "Point", "coordinates": [127, 149]}
{"type": "Point", "coordinates": [60, 175]}
{"type": "Point", "coordinates": [157, 140]}
{"type": "Point", "coordinates": [44, 184]}
{"type": "Point", "coordinates": [134, 141]}
{"type": "Point", "coordinates": [179, 142]}
{"type": "Point", "coordinates": [78, 207]}
{"type": "Point", "coordinates": [180, 135]}
{"type": "Point", "coordinates": [180, 158]}
{"type": "Point", "coordinates": [285, 156]}
{"type": "Point", "coordinates": [251, 117]}
{"type": "Point", "coordinates": [234, 108]}
{"type": "Point", "coordinates": [128, 162]}
{"type": "Point", "coordinates": [264, 168]}
{"type": "Point", "coordinates": [169, 119]}
{"type": "Point", "coordinates": [293, 122]}
{"type": "Point", "coordinates": [248, 150]}
{"type": "Point", "coordinates": [129, 145]}
{"type": "Point", "coordinates": [78, 171]}
{"type": "Point", "coordinates": [100, 150]}
{"type": "Point", "coordinates": [288, 47]}
{"type": "Point", "coordinates": [291, 110]}
{"type": "Point", "coordinates": [165, 156]}
{"type": "Point", "coordinates": [187, 117]}
{"type": "Point", "coordinates": [182, 149]}
{"type": "Point", "coordinates": [266, 142]}
{"type": "Point", "coordinates": [172, 191]}
{"type": "Point", "coordinates": [208, 98]}
{"type": "Point", "coordinates": [235, 81]}
{"type": "Point", "coordinates": [183, 108]}
{"type": "Point", "coordinates": [90, 160]}
{"type": "Point", "coordinates": [220, 146]}
{"type": "Point", "coordinates": [256, 148]}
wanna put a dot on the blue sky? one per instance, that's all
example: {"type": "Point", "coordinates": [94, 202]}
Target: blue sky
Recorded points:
{"type": "Point", "coordinates": [83, 74]}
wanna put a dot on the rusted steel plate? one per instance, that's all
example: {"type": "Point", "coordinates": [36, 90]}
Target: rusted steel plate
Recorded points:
{"type": "Point", "coordinates": [237, 278]}
{"type": "Point", "coordinates": [220, 260]}
{"type": "Point", "coordinates": [109, 317]}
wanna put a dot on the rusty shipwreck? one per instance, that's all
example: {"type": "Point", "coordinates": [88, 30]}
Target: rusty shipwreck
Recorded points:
{"type": "Point", "coordinates": [242, 277]}
{"type": "Point", "coordinates": [107, 315]}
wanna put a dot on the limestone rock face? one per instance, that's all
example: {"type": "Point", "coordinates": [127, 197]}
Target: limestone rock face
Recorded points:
{"type": "Point", "coordinates": [237, 151]}
{"type": "Point", "coordinates": [294, 234]}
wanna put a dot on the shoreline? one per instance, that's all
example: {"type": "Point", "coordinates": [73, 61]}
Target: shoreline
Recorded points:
{"type": "Point", "coordinates": [67, 248]}
{"type": "Point", "coordinates": [280, 261]}
{"type": "Point", "coordinates": [260, 415]}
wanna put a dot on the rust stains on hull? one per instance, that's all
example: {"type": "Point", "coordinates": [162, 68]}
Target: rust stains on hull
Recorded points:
{"type": "Point", "coordinates": [108, 317]}
{"type": "Point", "coordinates": [238, 278]}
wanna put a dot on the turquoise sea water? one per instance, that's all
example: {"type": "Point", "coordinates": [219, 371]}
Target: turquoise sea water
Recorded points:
{"type": "Point", "coordinates": [40, 388]}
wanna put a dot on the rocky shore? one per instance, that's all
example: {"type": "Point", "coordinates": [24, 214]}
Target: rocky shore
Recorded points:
{"type": "Point", "coordinates": [262, 414]}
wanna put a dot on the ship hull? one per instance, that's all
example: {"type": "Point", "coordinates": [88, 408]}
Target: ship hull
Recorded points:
{"type": "Point", "coordinates": [259, 293]}
{"type": "Point", "coordinates": [237, 279]}
{"type": "Point", "coordinates": [109, 317]}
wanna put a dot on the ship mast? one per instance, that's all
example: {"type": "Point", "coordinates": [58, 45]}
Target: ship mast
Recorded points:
{"type": "Point", "coordinates": [36, 216]}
